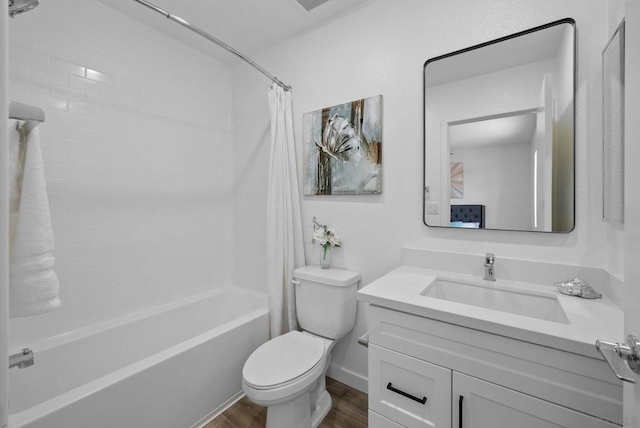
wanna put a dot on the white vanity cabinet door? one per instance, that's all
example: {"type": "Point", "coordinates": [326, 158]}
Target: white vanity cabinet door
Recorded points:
{"type": "Point", "coordinates": [391, 374]}
{"type": "Point", "coordinates": [487, 405]}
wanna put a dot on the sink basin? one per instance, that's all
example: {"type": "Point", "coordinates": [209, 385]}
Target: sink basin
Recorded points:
{"type": "Point", "coordinates": [533, 304]}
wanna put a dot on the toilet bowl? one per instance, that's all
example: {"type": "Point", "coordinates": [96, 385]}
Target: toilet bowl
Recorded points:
{"type": "Point", "coordinates": [287, 373]}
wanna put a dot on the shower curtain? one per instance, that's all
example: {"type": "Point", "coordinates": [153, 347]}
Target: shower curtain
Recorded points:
{"type": "Point", "coordinates": [285, 243]}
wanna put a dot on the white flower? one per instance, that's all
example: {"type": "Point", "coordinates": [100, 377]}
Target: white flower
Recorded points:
{"type": "Point", "coordinates": [334, 240]}
{"type": "Point", "coordinates": [319, 236]}
{"type": "Point", "coordinates": [325, 236]}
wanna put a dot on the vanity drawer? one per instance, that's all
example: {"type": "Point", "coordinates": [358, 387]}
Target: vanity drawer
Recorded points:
{"type": "Point", "coordinates": [409, 391]}
{"type": "Point", "coordinates": [570, 380]}
{"type": "Point", "coordinates": [377, 421]}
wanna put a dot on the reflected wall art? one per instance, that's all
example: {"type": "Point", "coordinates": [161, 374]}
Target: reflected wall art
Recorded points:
{"type": "Point", "coordinates": [457, 180]}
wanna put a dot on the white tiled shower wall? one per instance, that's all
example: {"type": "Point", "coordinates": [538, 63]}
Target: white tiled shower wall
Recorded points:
{"type": "Point", "coordinates": [138, 172]}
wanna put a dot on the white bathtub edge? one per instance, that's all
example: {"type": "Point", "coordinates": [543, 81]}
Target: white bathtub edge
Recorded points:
{"type": "Point", "coordinates": [217, 412]}
{"type": "Point", "coordinates": [91, 329]}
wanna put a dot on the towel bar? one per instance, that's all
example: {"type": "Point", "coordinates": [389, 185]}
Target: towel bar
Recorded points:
{"type": "Point", "coordinates": [364, 340]}
{"type": "Point", "coordinates": [22, 359]}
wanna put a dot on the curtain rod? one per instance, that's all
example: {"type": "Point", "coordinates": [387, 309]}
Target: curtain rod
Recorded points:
{"type": "Point", "coordinates": [218, 42]}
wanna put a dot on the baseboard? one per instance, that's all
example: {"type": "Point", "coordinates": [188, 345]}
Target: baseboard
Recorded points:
{"type": "Point", "coordinates": [354, 380]}
{"type": "Point", "coordinates": [217, 412]}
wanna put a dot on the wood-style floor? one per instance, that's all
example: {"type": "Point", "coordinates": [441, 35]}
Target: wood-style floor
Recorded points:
{"type": "Point", "coordinates": [349, 410]}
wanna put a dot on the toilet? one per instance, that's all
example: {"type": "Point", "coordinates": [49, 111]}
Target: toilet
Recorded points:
{"type": "Point", "coordinates": [287, 373]}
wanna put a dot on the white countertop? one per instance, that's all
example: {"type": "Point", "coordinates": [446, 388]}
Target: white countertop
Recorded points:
{"type": "Point", "coordinates": [589, 319]}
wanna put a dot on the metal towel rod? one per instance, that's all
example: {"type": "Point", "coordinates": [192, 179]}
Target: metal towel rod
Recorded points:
{"type": "Point", "coordinates": [33, 116]}
{"type": "Point", "coordinates": [21, 111]}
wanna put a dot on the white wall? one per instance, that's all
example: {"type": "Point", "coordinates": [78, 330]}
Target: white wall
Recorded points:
{"type": "Point", "coordinates": [137, 147]}
{"type": "Point", "coordinates": [381, 49]}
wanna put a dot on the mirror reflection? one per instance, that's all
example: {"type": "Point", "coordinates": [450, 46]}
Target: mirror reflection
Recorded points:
{"type": "Point", "coordinates": [499, 133]}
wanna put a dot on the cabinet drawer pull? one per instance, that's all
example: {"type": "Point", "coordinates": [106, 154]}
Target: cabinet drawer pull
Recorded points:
{"type": "Point", "coordinates": [404, 394]}
{"type": "Point", "coordinates": [460, 411]}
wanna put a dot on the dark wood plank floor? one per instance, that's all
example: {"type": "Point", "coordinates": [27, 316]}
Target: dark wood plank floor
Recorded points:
{"type": "Point", "coordinates": [349, 410]}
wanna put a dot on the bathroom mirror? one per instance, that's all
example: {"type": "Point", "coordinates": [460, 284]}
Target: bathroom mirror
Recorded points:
{"type": "Point", "coordinates": [499, 133]}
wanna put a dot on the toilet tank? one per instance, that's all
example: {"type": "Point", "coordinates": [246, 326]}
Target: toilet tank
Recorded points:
{"type": "Point", "coordinates": [326, 300]}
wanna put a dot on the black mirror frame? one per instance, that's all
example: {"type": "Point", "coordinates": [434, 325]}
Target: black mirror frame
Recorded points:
{"type": "Point", "coordinates": [570, 21]}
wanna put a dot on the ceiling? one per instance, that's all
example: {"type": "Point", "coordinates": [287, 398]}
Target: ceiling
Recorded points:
{"type": "Point", "coordinates": [249, 26]}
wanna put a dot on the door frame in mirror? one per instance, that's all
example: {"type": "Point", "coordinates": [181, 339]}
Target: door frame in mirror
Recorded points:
{"type": "Point", "coordinates": [445, 154]}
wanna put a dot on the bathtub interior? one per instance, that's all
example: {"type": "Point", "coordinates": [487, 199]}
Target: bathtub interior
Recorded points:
{"type": "Point", "coordinates": [77, 358]}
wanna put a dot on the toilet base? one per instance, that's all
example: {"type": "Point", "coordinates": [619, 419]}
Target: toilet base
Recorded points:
{"type": "Point", "coordinates": [298, 412]}
{"type": "Point", "coordinates": [322, 408]}
{"type": "Point", "coordinates": [294, 413]}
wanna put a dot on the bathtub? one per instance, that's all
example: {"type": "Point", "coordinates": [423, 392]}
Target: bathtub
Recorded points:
{"type": "Point", "coordinates": [172, 366]}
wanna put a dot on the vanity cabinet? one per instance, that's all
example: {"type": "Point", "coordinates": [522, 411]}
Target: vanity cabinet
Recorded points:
{"type": "Point", "coordinates": [487, 405]}
{"type": "Point", "coordinates": [419, 368]}
{"type": "Point", "coordinates": [427, 402]}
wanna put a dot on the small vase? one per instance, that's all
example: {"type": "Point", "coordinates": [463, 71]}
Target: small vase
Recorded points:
{"type": "Point", "coordinates": [325, 258]}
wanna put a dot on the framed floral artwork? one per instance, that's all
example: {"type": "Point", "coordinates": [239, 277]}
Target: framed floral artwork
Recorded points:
{"type": "Point", "coordinates": [343, 149]}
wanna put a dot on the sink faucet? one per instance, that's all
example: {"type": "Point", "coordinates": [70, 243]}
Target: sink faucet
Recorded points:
{"type": "Point", "coordinates": [22, 359]}
{"type": "Point", "coordinates": [489, 261]}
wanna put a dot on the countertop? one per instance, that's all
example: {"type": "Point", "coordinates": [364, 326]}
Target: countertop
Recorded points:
{"type": "Point", "coordinates": [589, 320]}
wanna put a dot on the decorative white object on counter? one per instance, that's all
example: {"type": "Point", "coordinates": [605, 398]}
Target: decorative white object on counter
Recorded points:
{"type": "Point", "coordinates": [579, 288]}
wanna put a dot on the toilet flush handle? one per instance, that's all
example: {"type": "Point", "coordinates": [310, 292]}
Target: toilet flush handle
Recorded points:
{"type": "Point", "coordinates": [295, 282]}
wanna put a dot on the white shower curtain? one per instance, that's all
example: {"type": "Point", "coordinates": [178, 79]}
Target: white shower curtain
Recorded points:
{"type": "Point", "coordinates": [285, 243]}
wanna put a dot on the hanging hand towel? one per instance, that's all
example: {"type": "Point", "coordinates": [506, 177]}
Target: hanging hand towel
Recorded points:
{"type": "Point", "coordinates": [33, 284]}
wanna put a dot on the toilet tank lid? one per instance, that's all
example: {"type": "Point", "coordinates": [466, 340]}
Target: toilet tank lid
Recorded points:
{"type": "Point", "coordinates": [332, 276]}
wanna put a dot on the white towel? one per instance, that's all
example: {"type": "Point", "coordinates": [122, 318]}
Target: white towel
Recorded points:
{"type": "Point", "coordinates": [33, 284]}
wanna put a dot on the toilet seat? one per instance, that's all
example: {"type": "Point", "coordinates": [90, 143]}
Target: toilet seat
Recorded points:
{"type": "Point", "coordinates": [283, 367]}
{"type": "Point", "coordinates": [283, 360]}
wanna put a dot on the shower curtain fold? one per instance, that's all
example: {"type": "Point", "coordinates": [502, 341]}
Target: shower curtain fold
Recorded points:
{"type": "Point", "coordinates": [285, 242]}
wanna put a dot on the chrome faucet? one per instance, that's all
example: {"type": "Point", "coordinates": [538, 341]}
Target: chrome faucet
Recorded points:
{"type": "Point", "coordinates": [489, 261]}
{"type": "Point", "coordinates": [22, 359]}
